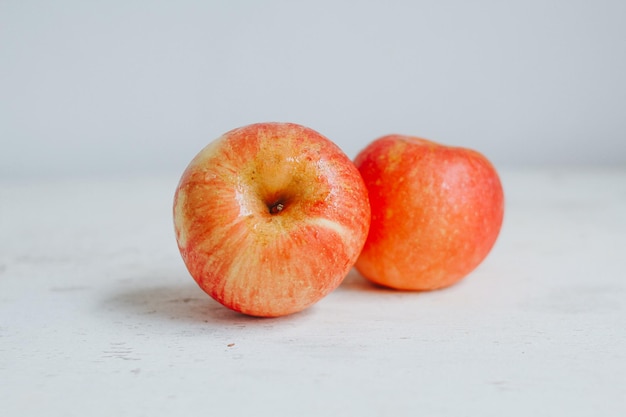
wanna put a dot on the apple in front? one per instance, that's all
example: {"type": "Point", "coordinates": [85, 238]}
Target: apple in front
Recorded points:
{"type": "Point", "coordinates": [436, 212]}
{"type": "Point", "coordinates": [270, 217]}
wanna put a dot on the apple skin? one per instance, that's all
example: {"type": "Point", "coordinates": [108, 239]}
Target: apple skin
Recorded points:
{"type": "Point", "coordinates": [436, 212]}
{"type": "Point", "coordinates": [270, 217]}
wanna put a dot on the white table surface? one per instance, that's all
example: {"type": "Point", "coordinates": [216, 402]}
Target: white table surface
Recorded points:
{"type": "Point", "coordinates": [98, 316]}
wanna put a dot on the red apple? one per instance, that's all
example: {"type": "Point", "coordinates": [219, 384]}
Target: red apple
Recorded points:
{"type": "Point", "coordinates": [270, 218]}
{"type": "Point", "coordinates": [436, 212]}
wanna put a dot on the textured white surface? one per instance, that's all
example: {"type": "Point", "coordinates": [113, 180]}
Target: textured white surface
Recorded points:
{"type": "Point", "coordinates": [98, 316]}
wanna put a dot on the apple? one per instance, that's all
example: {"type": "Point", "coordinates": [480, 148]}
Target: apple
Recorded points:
{"type": "Point", "coordinates": [270, 218]}
{"type": "Point", "coordinates": [436, 212]}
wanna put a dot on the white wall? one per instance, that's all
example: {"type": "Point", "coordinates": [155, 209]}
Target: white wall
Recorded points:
{"type": "Point", "coordinates": [122, 87]}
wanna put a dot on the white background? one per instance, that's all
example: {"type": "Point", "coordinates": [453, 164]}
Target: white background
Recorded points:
{"type": "Point", "coordinates": [125, 87]}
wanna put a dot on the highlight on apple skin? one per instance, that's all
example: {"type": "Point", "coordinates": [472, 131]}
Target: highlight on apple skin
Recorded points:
{"type": "Point", "coordinates": [270, 217]}
{"type": "Point", "coordinates": [436, 212]}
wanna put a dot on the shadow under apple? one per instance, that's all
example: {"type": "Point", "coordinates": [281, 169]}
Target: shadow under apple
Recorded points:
{"type": "Point", "coordinates": [354, 281]}
{"type": "Point", "coordinates": [182, 302]}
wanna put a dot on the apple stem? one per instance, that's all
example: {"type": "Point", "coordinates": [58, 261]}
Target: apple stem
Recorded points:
{"type": "Point", "coordinates": [277, 208]}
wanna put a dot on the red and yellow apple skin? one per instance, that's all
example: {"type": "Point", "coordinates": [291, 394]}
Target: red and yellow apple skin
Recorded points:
{"type": "Point", "coordinates": [270, 217]}
{"type": "Point", "coordinates": [436, 212]}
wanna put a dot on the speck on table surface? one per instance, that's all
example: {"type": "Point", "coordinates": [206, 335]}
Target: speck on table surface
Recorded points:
{"type": "Point", "coordinates": [99, 317]}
